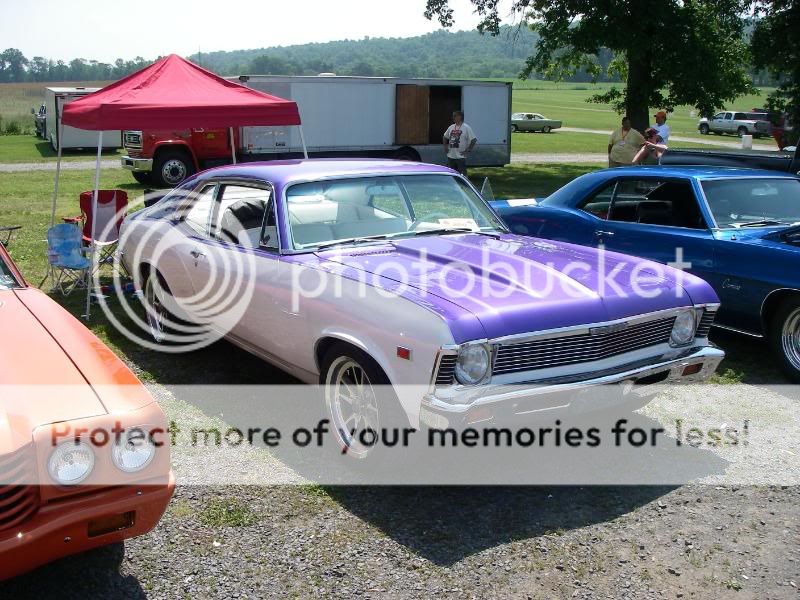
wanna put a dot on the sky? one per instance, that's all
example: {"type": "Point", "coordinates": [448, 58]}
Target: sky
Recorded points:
{"type": "Point", "coordinates": [105, 30]}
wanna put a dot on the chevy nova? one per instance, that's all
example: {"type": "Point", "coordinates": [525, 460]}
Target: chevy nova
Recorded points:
{"type": "Point", "coordinates": [355, 274]}
{"type": "Point", "coordinates": [737, 228]}
{"type": "Point", "coordinates": [68, 482]}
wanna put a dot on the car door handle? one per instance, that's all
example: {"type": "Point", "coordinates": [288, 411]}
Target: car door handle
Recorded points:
{"type": "Point", "coordinates": [196, 253]}
{"type": "Point", "coordinates": [601, 233]}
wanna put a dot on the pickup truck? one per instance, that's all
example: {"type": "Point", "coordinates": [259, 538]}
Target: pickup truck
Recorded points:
{"type": "Point", "coordinates": [739, 123]}
{"type": "Point", "coordinates": [786, 160]}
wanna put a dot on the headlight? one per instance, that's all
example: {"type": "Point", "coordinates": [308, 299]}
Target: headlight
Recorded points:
{"type": "Point", "coordinates": [133, 451]}
{"type": "Point", "coordinates": [683, 329]}
{"type": "Point", "coordinates": [70, 463]}
{"type": "Point", "coordinates": [472, 364]}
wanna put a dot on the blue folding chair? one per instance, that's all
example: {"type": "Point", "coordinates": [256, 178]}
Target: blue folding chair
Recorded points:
{"type": "Point", "coordinates": [68, 264]}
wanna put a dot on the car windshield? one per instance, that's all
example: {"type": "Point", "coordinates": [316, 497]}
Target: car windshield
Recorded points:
{"type": "Point", "coordinates": [753, 202]}
{"type": "Point", "coordinates": [7, 280]}
{"type": "Point", "coordinates": [349, 210]}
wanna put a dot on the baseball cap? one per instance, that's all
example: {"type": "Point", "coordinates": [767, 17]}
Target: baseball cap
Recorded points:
{"type": "Point", "coordinates": [661, 114]}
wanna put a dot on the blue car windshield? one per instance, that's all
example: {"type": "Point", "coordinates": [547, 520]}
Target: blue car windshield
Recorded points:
{"type": "Point", "coordinates": [753, 202]}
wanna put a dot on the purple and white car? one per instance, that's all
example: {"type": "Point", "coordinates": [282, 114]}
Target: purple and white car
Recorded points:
{"type": "Point", "coordinates": [355, 274]}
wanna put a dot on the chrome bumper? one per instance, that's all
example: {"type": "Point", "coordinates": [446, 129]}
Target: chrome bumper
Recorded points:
{"type": "Point", "coordinates": [137, 164]}
{"type": "Point", "coordinates": [515, 401]}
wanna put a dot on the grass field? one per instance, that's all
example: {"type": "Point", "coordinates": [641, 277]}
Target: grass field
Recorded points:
{"type": "Point", "coordinates": [567, 102]}
{"type": "Point", "coordinates": [17, 99]}
{"type": "Point", "coordinates": [569, 142]}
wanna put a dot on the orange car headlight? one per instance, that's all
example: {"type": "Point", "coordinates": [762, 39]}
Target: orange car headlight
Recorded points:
{"type": "Point", "coordinates": [70, 463]}
{"type": "Point", "coordinates": [133, 450]}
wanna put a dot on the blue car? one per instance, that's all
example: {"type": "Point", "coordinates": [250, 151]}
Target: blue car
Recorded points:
{"type": "Point", "coordinates": [739, 229]}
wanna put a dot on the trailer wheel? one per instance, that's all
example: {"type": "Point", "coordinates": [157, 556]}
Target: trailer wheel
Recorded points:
{"type": "Point", "coordinates": [407, 154]}
{"type": "Point", "coordinates": [143, 177]}
{"type": "Point", "coordinates": [171, 167]}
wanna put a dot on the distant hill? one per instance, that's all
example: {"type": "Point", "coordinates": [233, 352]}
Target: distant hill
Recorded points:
{"type": "Point", "coordinates": [442, 54]}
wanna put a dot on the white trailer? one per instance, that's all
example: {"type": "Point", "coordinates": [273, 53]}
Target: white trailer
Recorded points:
{"type": "Point", "coordinates": [55, 99]}
{"type": "Point", "coordinates": [384, 116]}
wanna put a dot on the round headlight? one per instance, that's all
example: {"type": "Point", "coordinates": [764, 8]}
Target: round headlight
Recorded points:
{"type": "Point", "coordinates": [133, 451]}
{"type": "Point", "coordinates": [70, 463]}
{"type": "Point", "coordinates": [683, 329]}
{"type": "Point", "coordinates": [472, 364]}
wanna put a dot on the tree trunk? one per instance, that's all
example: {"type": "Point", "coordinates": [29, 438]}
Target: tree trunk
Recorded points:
{"type": "Point", "coordinates": [637, 89]}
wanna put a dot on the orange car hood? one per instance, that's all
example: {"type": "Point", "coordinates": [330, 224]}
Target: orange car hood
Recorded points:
{"type": "Point", "coordinates": [49, 363]}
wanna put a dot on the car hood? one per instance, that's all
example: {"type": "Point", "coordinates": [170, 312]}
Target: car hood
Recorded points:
{"type": "Point", "coordinates": [514, 284]}
{"type": "Point", "coordinates": [53, 369]}
{"type": "Point", "coordinates": [787, 238]}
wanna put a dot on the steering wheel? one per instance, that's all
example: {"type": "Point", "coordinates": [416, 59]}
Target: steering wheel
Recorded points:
{"type": "Point", "coordinates": [422, 219]}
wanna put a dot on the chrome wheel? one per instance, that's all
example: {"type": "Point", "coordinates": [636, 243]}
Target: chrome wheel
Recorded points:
{"type": "Point", "coordinates": [790, 338]}
{"type": "Point", "coordinates": [157, 314]}
{"type": "Point", "coordinates": [353, 406]}
{"type": "Point", "coordinates": [174, 171]}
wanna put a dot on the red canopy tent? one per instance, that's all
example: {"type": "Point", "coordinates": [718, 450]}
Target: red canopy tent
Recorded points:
{"type": "Point", "coordinates": [172, 93]}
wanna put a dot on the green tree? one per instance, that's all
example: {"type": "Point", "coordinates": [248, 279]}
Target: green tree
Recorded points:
{"type": "Point", "coordinates": [671, 51]}
{"type": "Point", "coordinates": [12, 65]}
{"type": "Point", "coordinates": [774, 46]}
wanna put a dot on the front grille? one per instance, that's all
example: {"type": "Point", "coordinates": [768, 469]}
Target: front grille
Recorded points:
{"type": "Point", "coordinates": [132, 140]}
{"type": "Point", "coordinates": [706, 321]}
{"type": "Point", "coordinates": [19, 500]}
{"type": "Point", "coordinates": [447, 369]}
{"type": "Point", "coordinates": [580, 348]}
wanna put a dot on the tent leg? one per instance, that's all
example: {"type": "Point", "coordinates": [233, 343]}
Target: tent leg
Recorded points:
{"type": "Point", "coordinates": [60, 134]}
{"type": "Point", "coordinates": [233, 147]}
{"type": "Point", "coordinates": [90, 273]}
{"type": "Point", "coordinates": [303, 141]}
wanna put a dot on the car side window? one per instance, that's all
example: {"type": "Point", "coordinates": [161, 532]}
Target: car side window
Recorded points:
{"type": "Point", "coordinates": [240, 214]}
{"type": "Point", "coordinates": [669, 203]}
{"type": "Point", "coordinates": [740, 117]}
{"type": "Point", "coordinates": [728, 116]}
{"type": "Point", "coordinates": [719, 116]}
{"type": "Point", "coordinates": [599, 203]}
{"type": "Point", "coordinates": [199, 214]}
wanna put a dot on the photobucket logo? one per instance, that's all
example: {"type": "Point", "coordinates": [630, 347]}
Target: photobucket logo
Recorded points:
{"type": "Point", "coordinates": [183, 292]}
{"type": "Point", "coordinates": [487, 276]}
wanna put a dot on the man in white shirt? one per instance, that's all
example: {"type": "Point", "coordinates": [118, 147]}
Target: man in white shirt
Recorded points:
{"type": "Point", "coordinates": [459, 140]}
{"type": "Point", "coordinates": [661, 127]}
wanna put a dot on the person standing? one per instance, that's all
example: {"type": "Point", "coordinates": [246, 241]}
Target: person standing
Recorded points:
{"type": "Point", "coordinates": [661, 127]}
{"type": "Point", "coordinates": [624, 144]}
{"type": "Point", "coordinates": [459, 140]}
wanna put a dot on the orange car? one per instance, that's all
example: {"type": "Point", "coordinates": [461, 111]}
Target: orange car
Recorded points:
{"type": "Point", "coordinates": [84, 448]}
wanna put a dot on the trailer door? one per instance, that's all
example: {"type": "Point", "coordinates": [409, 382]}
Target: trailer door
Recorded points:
{"type": "Point", "coordinates": [412, 114]}
{"type": "Point", "coordinates": [486, 111]}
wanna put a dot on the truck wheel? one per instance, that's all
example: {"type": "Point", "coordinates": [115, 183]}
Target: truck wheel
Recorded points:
{"type": "Point", "coordinates": [360, 402]}
{"type": "Point", "coordinates": [171, 167]}
{"type": "Point", "coordinates": [741, 131]}
{"type": "Point", "coordinates": [142, 177]}
{"type": "Point", "coordinates": [704, 128]}
{"type": "Point", "coordinates": [784, 337]}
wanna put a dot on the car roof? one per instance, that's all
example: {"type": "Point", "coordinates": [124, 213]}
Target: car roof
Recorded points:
{"type": "Point", "coordinates": [284, 172]}
{"type": "Point", "coordinates": [693, 171]}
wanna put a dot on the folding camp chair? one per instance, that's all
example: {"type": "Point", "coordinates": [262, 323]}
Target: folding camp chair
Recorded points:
{"type": "Point", "coordinates": [111, 208]}
{"type": "Point", "coordinates": [68, 265]}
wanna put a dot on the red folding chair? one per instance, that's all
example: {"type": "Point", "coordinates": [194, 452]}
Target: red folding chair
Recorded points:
{"type": "Point", "coordinates": [111, 208]}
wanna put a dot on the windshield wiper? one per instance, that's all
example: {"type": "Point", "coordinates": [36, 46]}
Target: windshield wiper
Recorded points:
{"type": "Point", "coordinates": [759, 223]}
{"type": "Point", "coordinates": [358, 240]}
{"type": "Point", "coordinates": [446, 230]}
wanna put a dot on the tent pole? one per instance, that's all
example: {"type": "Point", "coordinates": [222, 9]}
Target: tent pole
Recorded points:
{"type": "Point", "coordinates": [303, 141]}
{"type": "Point", "coordinates": [90, 281]}
{"type": "Point", "coordinates": [58, 173]}
{"type": "Point", "coordinates": [233, 147]}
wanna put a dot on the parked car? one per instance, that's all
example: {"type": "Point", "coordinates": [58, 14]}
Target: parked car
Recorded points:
{"type": "Point", "coordinates": [786, 160]}
{"type": "Point", "coordinates": [383, 244]}
{"type": "Point", "coordinates": [533, 122]}
{"type": "Point", "coordinates": [738, 123]}
{"type": "Point", "coordinates": [63, 488]}
{"type": "Point", "coordinates": [739, 229]}
{"type": "Point", "coordinates": [39, 121]}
